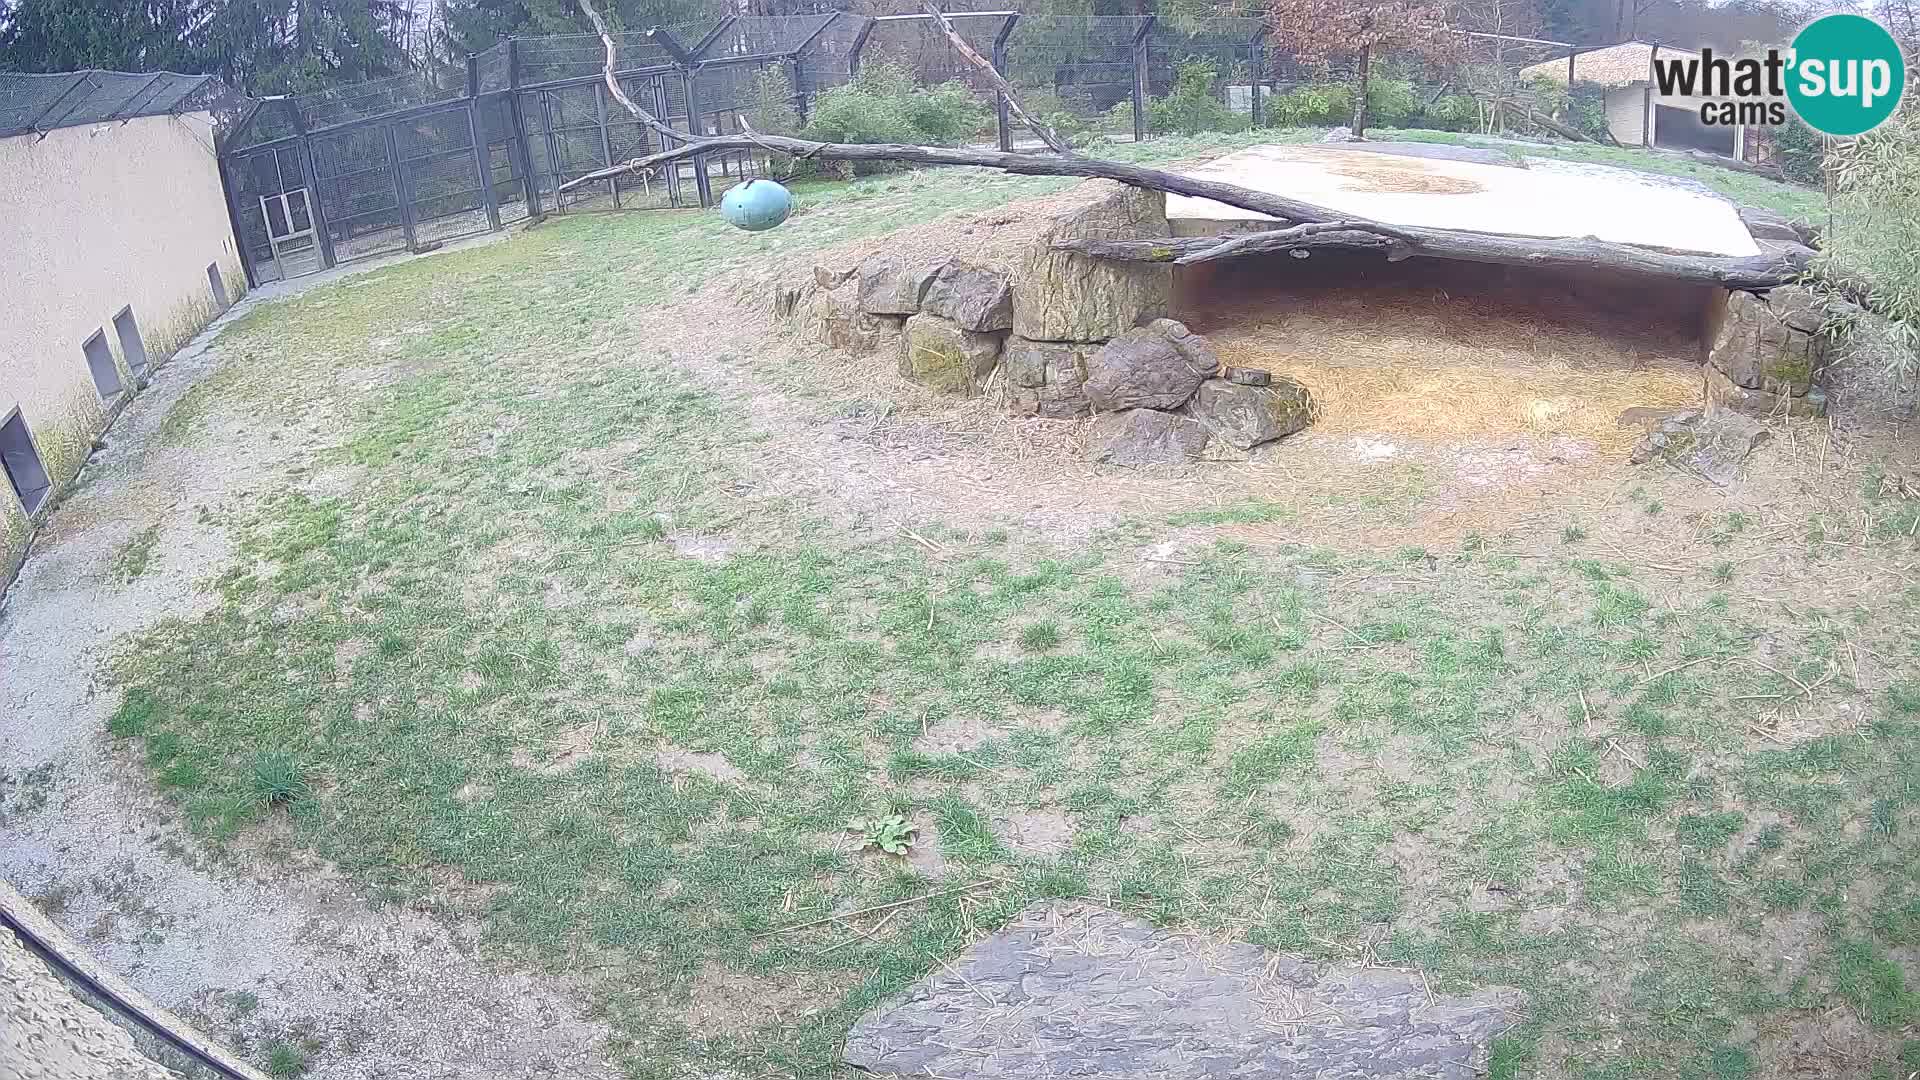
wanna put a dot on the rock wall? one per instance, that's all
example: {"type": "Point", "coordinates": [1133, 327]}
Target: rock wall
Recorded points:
{"type": "Point", "coordinates": [1769, 354]}
{"type": "Point", "coordinates": [1055, 334]}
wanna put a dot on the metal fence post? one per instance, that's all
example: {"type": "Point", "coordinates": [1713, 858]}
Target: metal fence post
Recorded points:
{"type": "Point", "coordinates": [1140, 77]}
{"type": "Point", "coordinates": [400, 187]}
{"type": "Point", "coordinates": [315, 210]}
{"type": "Point", "coordinates": [1259, 48]}
{"type": "Point", "coordinates": [227, 185]}
{"type": "Point", "coordinates": [482, 158]}
{"type": "Point", "coordinates": [529, 186]}
{"type": "Point", "coordinates": [553, 150]}
{"type": "Point", "coordinates": [700, 182]}
{"type": "Point", "coordinates": [606, 142]}
{"type": "Point", "coordinates": [1000, 111]}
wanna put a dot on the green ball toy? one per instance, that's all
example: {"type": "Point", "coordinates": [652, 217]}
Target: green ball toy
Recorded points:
{"type": "Point", "coordinates": [756, 205]}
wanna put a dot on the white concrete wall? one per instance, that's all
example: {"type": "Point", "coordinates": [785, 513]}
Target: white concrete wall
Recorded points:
{"type": "Point", "coordinates": [1627, 113]}
{"type": "Point", "coordinates": [94, 219]}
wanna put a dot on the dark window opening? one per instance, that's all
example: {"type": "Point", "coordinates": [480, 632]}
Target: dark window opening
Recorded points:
{"type": "Point", "coordinates": [131, 347]}
{"type": "Point", "coordinates": [219, 285]}
{"type": "Point", "coordinates": [106, 374]}
{"type": "Point", "coordinates": [22, 463]}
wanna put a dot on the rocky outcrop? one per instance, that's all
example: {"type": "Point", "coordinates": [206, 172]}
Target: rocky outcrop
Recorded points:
{"type": "Point", "coordinates": [1764, 224]}
{"type": "Point", "coordinates": [1157, 366]}
{"type": "Point", "coordinates": [1769, 354]}
{"type": "Point", "coordinates": [1075, 336]}
{"type": "Point", "coordinates": [974, 297]}
{"type": "Point", "coordinates": [1065, 296]}
{"type": "Point", "coordinates": [1147, 437]}
{"type": "Point", "coordinates": [1243, 417]}
{"type": "Point", "coordinates": [1078, 990]}
{"type": "Point", "coordinates": [1710, 444]}
{"type": "Point", "coordinates": [893, 285]}
{"type": "Point", "coordinates": [938, 354]}
{"type": "Point", "coordinates": [1045, 378]}
{"type": "Point", "coordinates": [838, 322]}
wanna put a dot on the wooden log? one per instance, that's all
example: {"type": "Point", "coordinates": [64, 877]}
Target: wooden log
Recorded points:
{"type": "Point", "coordinates": [1756, 272]}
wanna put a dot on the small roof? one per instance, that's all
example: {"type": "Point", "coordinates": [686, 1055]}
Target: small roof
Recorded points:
{"type": "Point", "coordinates": [1615, 65]}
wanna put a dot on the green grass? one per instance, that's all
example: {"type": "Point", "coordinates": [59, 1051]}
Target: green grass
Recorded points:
{"type": "Point", "coordinates": [1500, 773]}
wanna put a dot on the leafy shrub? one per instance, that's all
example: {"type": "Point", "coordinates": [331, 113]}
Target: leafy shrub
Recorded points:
{"type": "Point", "coordinates": [1312, 105]}
{"type": "Point", "coordinates": [1391, 102]}
{"type": "Point", "coordinates": [1067, 113]}
{"type": "Point", "coordinates": [1451, 112]}
{"type": "Point", "coordinates": [1874, 238]}
{"type": "Point", "coordinates": [884, 104]}
{"type": "Point", "coordinates": [1191, 107]}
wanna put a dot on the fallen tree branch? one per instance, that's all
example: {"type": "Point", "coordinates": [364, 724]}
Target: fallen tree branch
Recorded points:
{"type": "Point", "coordinates": [1005, 88]}
{"type": "Point", "coordinates": [1763, 271]}
{"type": "Point", "coordinates": [1572, 134]}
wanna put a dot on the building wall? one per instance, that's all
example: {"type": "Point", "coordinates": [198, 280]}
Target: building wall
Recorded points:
{"type": "Point", "coordinates": [1626, 113]}
{"type": "Point", "coordinates": [94, 219]}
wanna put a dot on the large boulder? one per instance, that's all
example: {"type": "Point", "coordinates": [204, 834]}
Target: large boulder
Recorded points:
{"type": "Point", "coordinates": [1243, 417]}
{"type": "Point", "coordinates": [938, 354]}
{"type": "Point", "coordinates": [836, 321]}
{"type": "Point", "coordinates": [1772, 347]}
{"type": "Point", "coordinates": [1766, 224]}
{"type": "Point", "coordinates": [1147, 437]}
{"type": "Point", "coordinates": [974, 297]}
{"type": "Point", "coordinates": [1045, 378]}
{"type": "Point", "coordinates": [1157, 366]}
{"type": "Point", "coordinates": [1724, 393]}
{"type": "Point", "coordinates": [1710, 444]}
{"type": "Point", "coordinates": [894, 284]}
{"type": "Point", "coordinates": [1066, 296]}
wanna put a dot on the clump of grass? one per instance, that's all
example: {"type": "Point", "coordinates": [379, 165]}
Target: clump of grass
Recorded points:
{"type": "Point", "coordinates": [285, 1059]}
{"type": "Point", "coordinates": [135, 714]}
{"type": "Point", "coordinates": [1573, 533]}
{"type": "Point", "coordinates": [135, 556]}
{"type": "Point", "coordinates": [1040, 636]}
{"type": "Point", "coordinates": [279, 778]}
{"type": "Point", "coordinates": [1723, 571]}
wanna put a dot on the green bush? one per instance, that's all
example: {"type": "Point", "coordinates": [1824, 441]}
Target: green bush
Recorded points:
{"type": "Point", "coordinates": [1191, 107]}
{"type": "Point", "coordinates": [1312, 105]}
{"type": "Point", "coordinates": [1874, 238]}
{"type": "Point", "coordinates": [1392, 102]}
{"type": "Point", "coordinates": [884, 104]}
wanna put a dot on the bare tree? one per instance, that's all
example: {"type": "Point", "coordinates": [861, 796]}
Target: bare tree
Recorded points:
{"type": "Point", "coordinates": [1361, 29]}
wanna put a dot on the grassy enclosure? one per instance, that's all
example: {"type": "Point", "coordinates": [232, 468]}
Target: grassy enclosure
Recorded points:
{"type": "Point", "coordinates": [603, 609]}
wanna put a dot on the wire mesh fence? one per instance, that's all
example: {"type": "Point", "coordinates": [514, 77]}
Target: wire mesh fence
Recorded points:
{"type": "Point", "coordinates": [401, 163]}
{"type": "Point", "coordinates": [43, 103]}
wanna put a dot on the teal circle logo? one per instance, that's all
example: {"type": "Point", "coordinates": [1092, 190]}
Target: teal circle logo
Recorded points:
{"type": "Point", "coordinates": [1846, 75]}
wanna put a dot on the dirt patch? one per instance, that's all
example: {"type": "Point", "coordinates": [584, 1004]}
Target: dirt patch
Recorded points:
{"type": "Point", "coordinates": [1037, 832]}
{"type": "Point", "coordinates": [1388, 174]}
{"type": "Point", "coordinates": [714, 767]}
{"type": "Point", "coordinates": [727, 1002]}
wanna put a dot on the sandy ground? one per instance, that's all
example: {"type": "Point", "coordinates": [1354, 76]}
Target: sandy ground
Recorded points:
{"type": "Point", "coordinates": [255, 951]}
{"type": "Point", "coordinates": [1446, 194]}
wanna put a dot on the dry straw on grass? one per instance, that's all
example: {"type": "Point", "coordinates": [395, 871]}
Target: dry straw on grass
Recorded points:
{"type": "Point", "coordinates": [1396, 372]}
